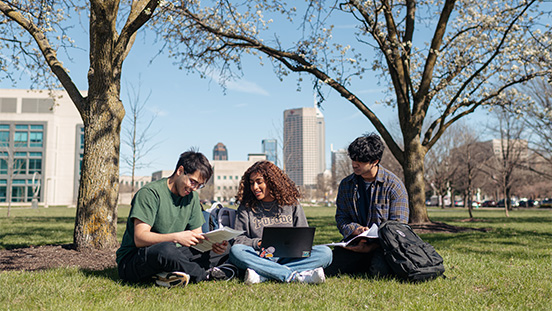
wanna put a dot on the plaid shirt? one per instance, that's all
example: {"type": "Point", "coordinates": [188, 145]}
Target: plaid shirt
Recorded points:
{"type": "Point", "coordinates": [388, 201]}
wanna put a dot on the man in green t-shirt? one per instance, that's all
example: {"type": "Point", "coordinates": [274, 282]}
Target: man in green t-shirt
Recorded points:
{"type": "Point", "coordinates": [165, 220]}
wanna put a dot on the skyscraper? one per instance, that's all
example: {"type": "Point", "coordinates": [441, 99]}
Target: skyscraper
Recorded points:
{"type": "Point", "coordinates": [304, 145]}
{"type": "Point", "coordinates": [270, 148]}
{"type": "Point", "coordinates": [220, 153]}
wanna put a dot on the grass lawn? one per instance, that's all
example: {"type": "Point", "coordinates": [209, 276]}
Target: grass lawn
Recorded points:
{"type": "Point", "coordinates": [506, 268]}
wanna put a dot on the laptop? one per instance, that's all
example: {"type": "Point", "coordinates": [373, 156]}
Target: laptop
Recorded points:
{"type": "Point", "coordinates": [287, 242]}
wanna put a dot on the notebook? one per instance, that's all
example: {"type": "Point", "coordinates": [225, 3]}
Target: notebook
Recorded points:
{"type": "Point", "coordinates": [291, 242]}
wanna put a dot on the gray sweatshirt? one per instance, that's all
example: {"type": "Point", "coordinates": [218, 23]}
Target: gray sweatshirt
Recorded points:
{"type": "Point", "coordinates": [252, 221]}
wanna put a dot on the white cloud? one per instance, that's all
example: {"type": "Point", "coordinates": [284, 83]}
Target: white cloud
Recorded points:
{"type": "Point", "coordinates": [246, 87]}
{"type": "Point", "coordinates": [240, 105]}
{"type": "Point", "coordinates": [355, 115]}
{"type": "Point", "coordinates": [240, 85]}
{"type": "Point", "coordinates": [155, 110]}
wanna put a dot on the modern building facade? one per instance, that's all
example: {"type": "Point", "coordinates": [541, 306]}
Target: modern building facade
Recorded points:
{"type": "Point", "coordinates": [513, 148]}
{"type": "Point", "coordinates": [227, 176]}
{"type": "Point", "coordinates": [220, 153]}
{"type": "Point", "coordinates": [126, 187]}
{"type": "Point", "coordinates": [270, 148]}
{"type": "Point", "coordinates": [41, 147]}
{"type": "Point", "coordinates": [304, 145]}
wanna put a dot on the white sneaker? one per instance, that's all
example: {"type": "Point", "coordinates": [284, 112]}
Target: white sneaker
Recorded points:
{"type": "Point", "coordinates": [172, 279]}
{"type": "Point", "coordinates": [315, 276]}
{"type": "Point", "coordinates": [252, 277]}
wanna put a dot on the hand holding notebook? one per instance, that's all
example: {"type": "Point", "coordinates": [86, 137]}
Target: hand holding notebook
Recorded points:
{"type": "Point", "coordinates": [371, 233]}
{"type": "Point", "coordinates": [216, 236]}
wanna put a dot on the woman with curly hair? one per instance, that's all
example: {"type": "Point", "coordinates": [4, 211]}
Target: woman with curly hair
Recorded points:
{"type": "Point", "coordinates": [268, 197]}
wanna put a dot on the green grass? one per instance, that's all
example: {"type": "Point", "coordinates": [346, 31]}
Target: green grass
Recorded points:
{"type": "Point", "coordinates": [506, 268]}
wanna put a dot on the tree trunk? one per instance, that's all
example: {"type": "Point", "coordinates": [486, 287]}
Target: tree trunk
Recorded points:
{"type": "Point", "coordinates": [102, 113]}
{"type": "Point", "coordinates": [96, 219]}
{"type": "Point", "coordinates": [413, 167]}
{"type": "Point", "coordinates": [468, 203]}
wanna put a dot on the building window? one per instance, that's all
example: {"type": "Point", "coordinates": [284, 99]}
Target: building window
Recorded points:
{"type": "Point", "coordinates": [3, 190]}
{"type": "Point", "coordinates": [36, 139]}
{"type": "Point", "coordinates": [3, 163]}
{"type": "Point", "coordinates": [18, 190]}
{"type": "Point", "coordinates": [35, 162]}
{"type": "Point", "coordinates": [20, 163]}
{"type": "Point", "coordinates": [4, 135]}
{"type": "Point", "coordinates": [22, 190]}
{"type": "Point", "coordinates": [20, 139]}
{"type": "Point", "coordinates": [81, 138]}
{"type": "Point", "coordinates": [224, 177]}
{"type": "Point", "coordinates": [23, 137]}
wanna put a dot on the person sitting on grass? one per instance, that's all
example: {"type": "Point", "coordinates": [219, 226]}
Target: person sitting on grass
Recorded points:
{"type": "Point", "coordinates": [164, 222]}
{"type": "Point", "coordinates": [268, 197]}
{"type": "Point", "coordinates": [370, 195]}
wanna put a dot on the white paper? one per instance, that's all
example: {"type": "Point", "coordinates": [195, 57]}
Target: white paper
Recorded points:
{"type": "Point", "coordinates": [371, 233]}
{"type": "Point", "coordinates": [216, 236]}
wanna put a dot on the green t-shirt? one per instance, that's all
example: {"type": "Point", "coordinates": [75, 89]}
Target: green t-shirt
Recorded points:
{"type": "Point", "coordinates": [163, 210]}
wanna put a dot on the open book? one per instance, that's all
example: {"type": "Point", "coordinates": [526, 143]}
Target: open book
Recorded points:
{"type": "Point", "coordinates": [216, 236]}
{"type": "Point", "coordinates": [371, 233]}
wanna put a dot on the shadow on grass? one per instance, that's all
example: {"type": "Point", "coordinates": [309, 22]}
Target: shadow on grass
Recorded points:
{"type": "Point", "coordinates": [109, 273]}
{"type": "Point", "coordinates": [42, 219]}
{"type": "Point", "coordinates": [42, 236]}
{"type": "Point", "coordinates": [25, 231]}
{"type": "Point", "coordinates": [112, 275]}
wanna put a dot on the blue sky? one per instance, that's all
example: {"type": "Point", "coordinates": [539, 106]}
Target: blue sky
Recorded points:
{"type": "Point", "coordinates": [195, 112]}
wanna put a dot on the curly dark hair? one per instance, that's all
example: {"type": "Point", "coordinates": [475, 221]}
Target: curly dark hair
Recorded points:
{"type": "Point", "coordinates": [281, 187]}
{"type": "Point", "coordinates": [367, 148]}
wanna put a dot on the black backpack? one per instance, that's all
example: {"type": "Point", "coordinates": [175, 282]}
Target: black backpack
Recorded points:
{"type": "Point", "coordinates": [407, 254]}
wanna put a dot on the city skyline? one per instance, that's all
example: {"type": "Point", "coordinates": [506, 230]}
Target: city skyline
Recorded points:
{"type": "Point", "coordinates": [193, 112]}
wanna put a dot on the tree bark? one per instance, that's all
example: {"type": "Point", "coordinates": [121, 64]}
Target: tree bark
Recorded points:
{"type": "Point", "coordinates": [103, 113]}
{"type": "Point", "coordinates": [413, 167]}
{"type": "Point", "coordinates": [96, 219]}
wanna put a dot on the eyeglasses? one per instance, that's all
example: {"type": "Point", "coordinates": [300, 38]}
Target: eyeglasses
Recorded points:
{"type": "Point", "coordinates": [194, 183]}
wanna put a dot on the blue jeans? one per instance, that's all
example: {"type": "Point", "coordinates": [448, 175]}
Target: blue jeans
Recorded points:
{"type": "Point", "coordinates": [281, 269]}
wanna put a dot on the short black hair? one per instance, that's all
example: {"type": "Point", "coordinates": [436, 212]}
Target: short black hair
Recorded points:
{"type": "Point", "coordinates": [367, 148]}
{"type": "Point", "coordinates": [193, 161]}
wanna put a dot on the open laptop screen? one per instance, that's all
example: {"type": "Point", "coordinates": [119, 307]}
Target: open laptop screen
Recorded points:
{"type": "Point", "coordinates": [293, 242]}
